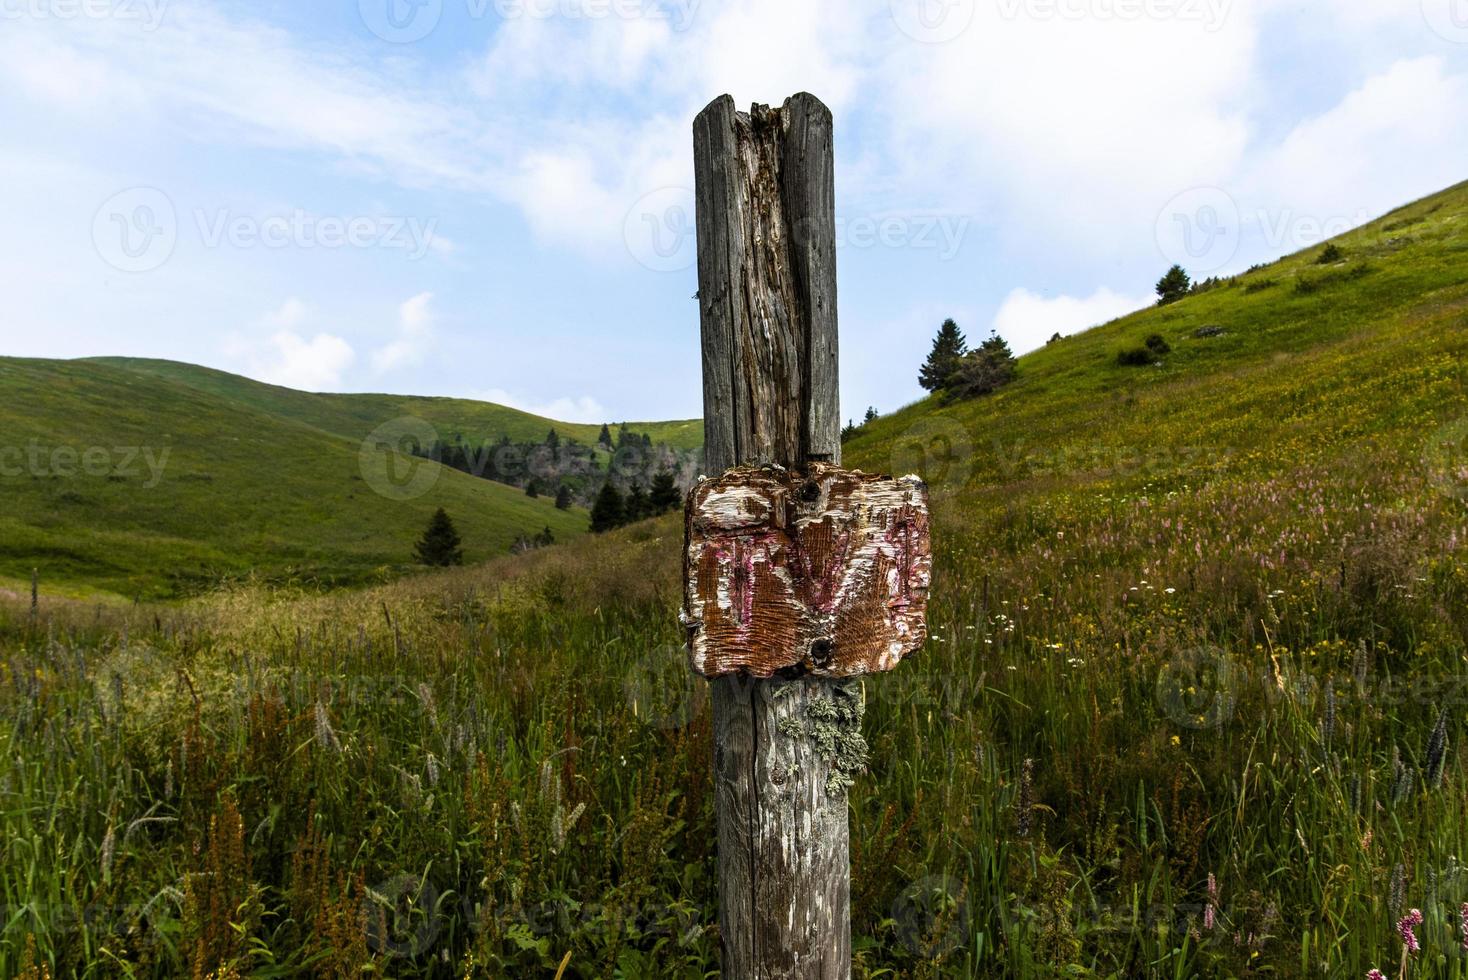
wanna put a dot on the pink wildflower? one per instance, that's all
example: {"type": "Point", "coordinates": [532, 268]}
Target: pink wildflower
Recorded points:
{"type": "Point", "coordinates": [1404, 928]}
{"type": "Point", "coordinates": [1375, 975]}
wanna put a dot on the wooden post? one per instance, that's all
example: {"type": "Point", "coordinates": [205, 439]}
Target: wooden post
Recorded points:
{"type": "Point", "coordinates": [765, 188]}
{"type": "Point", "coordinates": [798, 575]}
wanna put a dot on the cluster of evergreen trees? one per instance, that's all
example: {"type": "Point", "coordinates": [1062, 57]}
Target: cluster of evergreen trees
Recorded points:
{"type": "Point", "coordinates": [570, 471]}
{"type": "Point", "coordinates": [953, 371]}
{"type": "Point", "coordinates": [614, 509]}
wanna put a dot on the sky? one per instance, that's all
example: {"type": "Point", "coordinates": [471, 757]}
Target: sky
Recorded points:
{"type": "Point", "coordinates": [492, 198]}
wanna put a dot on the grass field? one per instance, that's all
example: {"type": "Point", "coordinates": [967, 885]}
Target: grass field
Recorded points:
{"type": "Point", "coordinates": [1193, 706]}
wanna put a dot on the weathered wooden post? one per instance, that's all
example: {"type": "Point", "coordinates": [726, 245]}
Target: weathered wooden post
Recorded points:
{"type": "Point", "coordinates": [798, 575]}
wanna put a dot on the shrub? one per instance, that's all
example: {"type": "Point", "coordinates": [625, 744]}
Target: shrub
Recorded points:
{"type": "Point", "coordinates": [981, 371]}
{"type": "Point", "coordinates": [1259, 285]}
{"type": "Point", "coordinates": [1135, 357]}
{"type": "Point", "coordinates": [1157, 345]}
{"type": "Point", "coordinates": [1331, 253]}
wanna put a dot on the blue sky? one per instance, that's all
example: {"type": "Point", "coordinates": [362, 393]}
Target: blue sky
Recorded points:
{"type": "Point", "coordinates": [490, 198]}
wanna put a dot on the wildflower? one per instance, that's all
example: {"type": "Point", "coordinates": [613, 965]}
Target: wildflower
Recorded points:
{"type": "Point", "coordinates": [1327, 724]}
{"type": "Point", "coordinates": [1463, 925]}
{"type": "Point", "coordinates": [1374, 974]}
{"type": "Point", "coordinates": [109, 844]}
{"type": "Point", "coordinates": [1210, 911]}
{"type": "Point", "coordinates": [1026, 800]}
{"type": "Point", "coordinates": [1405, 925]}
{"type": "Point", "coordinates": [1437, 745]}
{"type": "Point", "coordinates": [325, 734]}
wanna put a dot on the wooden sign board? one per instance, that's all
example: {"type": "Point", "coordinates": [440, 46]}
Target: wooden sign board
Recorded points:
{"type": "Point", "coordinates": [822, 572]}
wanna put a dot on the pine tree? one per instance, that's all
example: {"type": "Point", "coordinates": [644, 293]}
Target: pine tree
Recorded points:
{"type": "Point", "coordinates": [607, 511]}
{"type": "Point", "coordinates": [553, 440]}
{"type": "Point", "coordinates": [665, 493]}
{"type": "Point", "coordinates": [532, 489]}
{"type": "Point", "coordinates": [605, 438]}
{"type": "Point", "coordinates": [440, 542]}
{"type": "Point", "coordinates": [948, 347]}
{"type": "Point", "coordinates": [545, 538]}
{"type": "Point", "coordinates": [997, 346]}
{"type": "Point", "coordinates": [1173, 286]}
{"type": "Point", "coordinates": [637, 505]}
{"type": "Point", "coordinates": [563, 498]}
{"type": "Point", "coordinates": [871, 414]}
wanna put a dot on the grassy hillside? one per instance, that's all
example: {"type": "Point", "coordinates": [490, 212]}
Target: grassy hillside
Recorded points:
{"type": "Point", "coordinates": [144, 486]}
{"type": "Point", "coordinates": [1192, 705]}
{"type": "Point", "coordinates": [357, 415]}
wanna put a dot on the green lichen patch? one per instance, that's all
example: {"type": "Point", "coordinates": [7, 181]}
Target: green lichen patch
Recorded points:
{"type": "Point", "coordinates": [834, 724]}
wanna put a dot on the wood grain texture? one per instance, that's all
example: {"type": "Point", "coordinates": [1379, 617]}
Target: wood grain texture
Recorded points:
{"type": "Point", "coordinates": [821, 571]}
{"type": "Point", "coordinates": [764, 187]}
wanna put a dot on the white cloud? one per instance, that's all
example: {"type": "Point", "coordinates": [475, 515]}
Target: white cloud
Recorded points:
{"type": "Point", "coordinates": [1067, 126]}
{"type": "Point", "coordinates": [1397, 137]}
{"type": "Point", "coordinates": [564, 409]}
{"type": "Point", "coordinates": [1027, 321]}
{"type": "Point", "coordinates": [415, 330]}
{"type": "Point", "coordinates": [287, 357]}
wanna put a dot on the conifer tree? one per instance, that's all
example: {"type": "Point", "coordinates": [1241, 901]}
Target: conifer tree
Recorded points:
{"type": "Point", "coordinates": [440, 542]}
{"type": "Point", "coordinates": [948, 347]}
{"type": "Point", "coordinates": [665, 493]}
{"type": "Point", "coordinates": [607, 512]}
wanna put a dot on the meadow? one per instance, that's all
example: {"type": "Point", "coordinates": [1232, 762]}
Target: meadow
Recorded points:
{"type": "Point", "coordinates": [1194, 703]}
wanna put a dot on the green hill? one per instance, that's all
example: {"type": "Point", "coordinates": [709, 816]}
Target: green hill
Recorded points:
{"type": "Point", "coordinates": [137, 483]}
{"type": "Point", "coordinates": [356, 415]}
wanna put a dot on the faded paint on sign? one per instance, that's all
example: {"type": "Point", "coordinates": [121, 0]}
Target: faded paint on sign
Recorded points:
{"type": "Point", "coordinates": [822, 572]}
